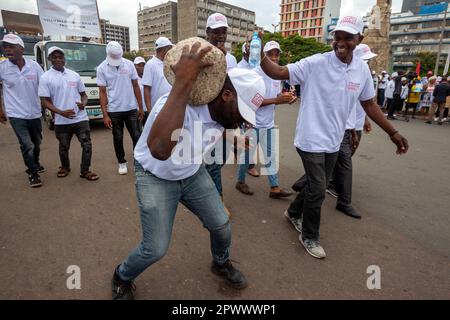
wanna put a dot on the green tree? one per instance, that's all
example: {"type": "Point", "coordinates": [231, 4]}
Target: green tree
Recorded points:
{"type": "Point", "coordinates": [294, 47]}
{"type": "Point", "coordinates": [427, 60]}
{"type": "Point", "coordinates": [133, 54]}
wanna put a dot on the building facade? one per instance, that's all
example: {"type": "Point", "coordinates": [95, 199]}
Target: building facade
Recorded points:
{"type": "Point", "coordinates": [414, 5]}
{"type": "Point", "coordinates": [192, 16]}
{"type": "Point", "coordinates": [412, 33]}
{"type": "Point", "coordinates": [308, 18]}
{"type": "Point", "coordinates": [155, 22]}
{"type": "Point", "coordinates": [112, 32]}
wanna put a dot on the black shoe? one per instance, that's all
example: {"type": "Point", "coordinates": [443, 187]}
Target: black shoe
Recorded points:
{"type": "Point", "coordinates": [331, 191]}
{"type": "Point", "coordinates": [391, 118]}
{"type": "Point", "coordinates": [428, 122]}
{"type": "Point", "coordinates": [35, 180]}
{"type": "Point", "coordinates": [348, 210]}
{"type": "Point", "coordinates": [40, 170]}
{"type": "Point", "coordinates": [233, 276]}
{"type": "Point", "coordinates": [121, 289]}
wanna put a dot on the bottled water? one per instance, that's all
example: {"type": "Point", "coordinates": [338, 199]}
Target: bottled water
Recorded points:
{"type": "Point", "coordinates": [255, 51]}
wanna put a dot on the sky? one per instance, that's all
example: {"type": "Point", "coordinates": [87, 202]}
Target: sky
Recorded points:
{"type": "Point", "coordinates": [267, 11]}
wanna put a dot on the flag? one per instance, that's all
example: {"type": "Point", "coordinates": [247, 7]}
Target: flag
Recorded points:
{"type": "Point", "coordinates": [418, 68]}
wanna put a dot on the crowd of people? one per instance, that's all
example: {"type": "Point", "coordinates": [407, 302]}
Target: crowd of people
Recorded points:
{"type": "Point", "coordinates": [400, 92]}
{"type": "Point", "coordinates": [139, 96]}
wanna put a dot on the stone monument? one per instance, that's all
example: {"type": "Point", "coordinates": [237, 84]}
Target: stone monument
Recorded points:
{"type": "Point", "coordinates": [377, 35]}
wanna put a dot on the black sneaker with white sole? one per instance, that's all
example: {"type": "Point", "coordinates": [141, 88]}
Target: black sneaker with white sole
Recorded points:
{"type": "Point", "coordinates": [230, 274]}
{"type": "Point", "coordinates": [332, 192]}
{"type": "Point", "coordinates": [296, 222]}
{"type": "Point", "coordinates": [121, 289]}
{"type": "Point", "coordinates": [35, 180]}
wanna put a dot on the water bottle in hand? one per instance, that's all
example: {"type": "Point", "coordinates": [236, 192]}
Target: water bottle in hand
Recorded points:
{"type": "Point", "coordinates": [255, 51]}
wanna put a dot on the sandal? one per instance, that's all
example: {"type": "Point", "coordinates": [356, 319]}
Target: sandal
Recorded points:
{"type": "Point", "coordinates": [63, 172]}
{"type": "Point", "coordinates": [90, 176]}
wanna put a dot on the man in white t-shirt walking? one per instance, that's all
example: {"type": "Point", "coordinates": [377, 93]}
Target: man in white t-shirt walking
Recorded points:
{"type": "Point", "coordinates": [20, 81]}
{"type": "Point", "coordinates": [165, 177]}
{"type": "Point", "coordinates": [120, 99]}
{"type": "Point", "coordinates": [216, 33]}
{"type": "Point", "coordinates": [63, 93]}
{"type": "Point", "coordinates": [139, 64]}
{"type": "Point", "coordinates": [154, 81]}
{"type": "Point", "coordinates": [265, 130]}
{"type": "Point", "coordinates": [322, 119]}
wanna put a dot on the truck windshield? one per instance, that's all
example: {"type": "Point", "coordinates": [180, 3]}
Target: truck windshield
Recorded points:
{"type": "Point", "coordinates": [82, 58]}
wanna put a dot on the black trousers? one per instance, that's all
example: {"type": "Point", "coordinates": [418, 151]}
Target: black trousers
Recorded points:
{"type": "Point", "coordinates": [380, 97]}
{"type": "Point", "coordinates": [397, 105]}
{"type": "Point", "coordinates": [119, 120]}
{"type": "Point", "coordinates": [343, 172]}
{"type": "Point", "coordinates": [64, 134]}
{"type": "Point", "coordinates": [308, 203]}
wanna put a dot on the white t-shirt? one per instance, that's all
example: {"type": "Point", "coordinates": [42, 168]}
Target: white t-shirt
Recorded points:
{"type": "Point", "coordinates": [154, 77]}
{"type": "Point", "coordinates": [330, 90]}
{"type": "Point", "coordinates": [187, 157]}
{"type": "Point", "coordinates": [64, 89]}
{"type": "Point", "coordinates": [243, 64]}
{"type": "Point", "coordinates": [20, 89]}
{"type": "Point", "coordinates": [265, 116]}
{"type": "Point", "coordinates": [118, 84]}
{"type": "Point", "coordinates": [141, 86]}
{"type": "Point", "coordinates": [383, 82]}
{"type": "Point", "coordinates": [360, 117]}
{"type": "Point", "coordinates": [231, 61]}
{"type": "Point", "coordinates": [390, 88]}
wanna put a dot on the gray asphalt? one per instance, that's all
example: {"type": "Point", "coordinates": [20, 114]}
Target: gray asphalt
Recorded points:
{"type": "Point", "coordinates": [94, 225]}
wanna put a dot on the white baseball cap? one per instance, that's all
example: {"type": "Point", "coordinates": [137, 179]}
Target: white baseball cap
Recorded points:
{"type": "Point", "coordinates": [114, 53]}
{"type": "Point", "coordinates": [404, 79]}
{"type": "Point", "coordinates": [139, 60]}
{"type": "Point", "coordinates": [162, 42]}
{"type": "Point", "coordinates": [394, 75]}
{"type": "Point", "coordinates": [364, 52]}
{"type": "Point", "coordinates": [272, 45]}
{"type": "Point", "coordinates": [250, 89]}
{"type": "Point", "coordinates": [54, 49]}
{"type": "Point", "coordinates": [217, 20]}
{"type": "Point", "coordinates": [13, 39]}
{"type": "Point", "coordinates": [350, 24]}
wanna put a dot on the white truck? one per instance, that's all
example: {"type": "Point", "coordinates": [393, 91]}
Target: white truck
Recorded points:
{"type": "Point", "coordinates": [83, 58]}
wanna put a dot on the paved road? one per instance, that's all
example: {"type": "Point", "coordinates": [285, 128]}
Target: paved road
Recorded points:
{"type": "Point", "coordinates": [405, 229]}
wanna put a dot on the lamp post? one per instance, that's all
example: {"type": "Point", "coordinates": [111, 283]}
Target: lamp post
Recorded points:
{"type": "Point", "coordinates": [275, 26]}
{"type": "Point", "coordinates": [438, 57]}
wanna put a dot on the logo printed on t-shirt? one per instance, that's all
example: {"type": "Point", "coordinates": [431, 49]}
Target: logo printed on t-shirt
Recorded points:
{"type": "Point", "coordinates": [124, 71]}
{"type": "Point", "coordinates": [258, 100]}
{"type": "Point", "coordinates": [72, 84]}
{"type": "Point", "coordinates": [30, 77]}
{"type": "Point", "coordinates": [352, 86]}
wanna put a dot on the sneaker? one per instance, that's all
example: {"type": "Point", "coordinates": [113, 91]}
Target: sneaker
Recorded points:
{"type": "Point", "coordinates": [123, 168]}
{"type": "Point", "coordinates": [313, 247]}
{"type": "Point", "coordinates": [35, 180]}
{"type": "Point", "coordinates": [331, 191]}
{"type": "Point", "coordinates": [233, 276]}
{"type": "Point", "coordinates": [122, 290]}
{"type": "Point", "coordinates": [40, 170]}
{"type": "Point", "coordinates": [297, 223]}
{"type": "Point", "coordinates": [428, 122]}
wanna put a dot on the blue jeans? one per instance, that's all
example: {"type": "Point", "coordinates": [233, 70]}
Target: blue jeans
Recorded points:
{"type": "Point", "coordinates": [266, 139]}
{"type": "Point", "coordinates": [158, 201]}
{"type": "Point", "coordinates": [29, 134]}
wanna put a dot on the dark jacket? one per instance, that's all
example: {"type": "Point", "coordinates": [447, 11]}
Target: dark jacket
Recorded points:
{"type": "Point", "coordinates": [441, 92]}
